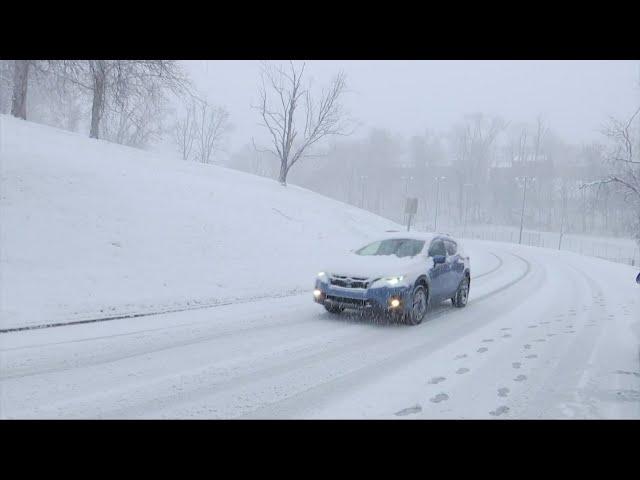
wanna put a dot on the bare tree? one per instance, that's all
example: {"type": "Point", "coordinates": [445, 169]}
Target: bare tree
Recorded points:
{"type": "Point", "coordinates": [26, 72]}
{"type": "Point", "coordinates": [136, 118]}
{"type": "Point", "coordinates": [624, 156]}
{"type": "Point", "coordinates": [294, 119]}
{"type": "Point", "coordinates": [199, 133]}
{"type": "Point", "coordinates": [6, 84]}
{"type": "Point", "coordinates": [624, 161]}
{"type": "Point", "coordinates": [116, 80]}
{"type": "Point", "coordinates": [461, 144]}
{"type": "Point", "coordinates": [20, 87]}
{"type": "Point", "coordinates": [55, 102]}
{"type": "Point", "coordinates": [472, 144]}
{"type": "Point", "coordinates": [211, 124]}
{"type": "Point", "coordinates": [541, 131]}
{"type": "Point", "coordinates": [99, 69]}
{"type": "Point", "coordinates": [523, 147]}
{"type": "Point", "coordinates": [185, 132]}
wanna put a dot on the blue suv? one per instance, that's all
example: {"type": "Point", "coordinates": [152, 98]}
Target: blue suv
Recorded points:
{"type": "Point", "coordinates": [400, 276]}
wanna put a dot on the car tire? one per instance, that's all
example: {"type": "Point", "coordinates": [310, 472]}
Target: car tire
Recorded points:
{"type": "Point", "coordinates": [334, 309]}
{"type": "Point", "coordinates": [419, 305]}
{"type": "Point", "coordinates": [462, 294]}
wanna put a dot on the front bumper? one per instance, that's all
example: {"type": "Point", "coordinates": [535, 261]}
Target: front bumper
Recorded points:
{"type": "Point", "coordinates": [371, 299]}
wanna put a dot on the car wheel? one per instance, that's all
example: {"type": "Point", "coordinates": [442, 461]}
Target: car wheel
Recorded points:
{"type": "Point", "coordinates": [462, 294]}
{"type": "Point", "coordinates": [419, 304]}
{"type": "Point", "coordinates": [333, 309]}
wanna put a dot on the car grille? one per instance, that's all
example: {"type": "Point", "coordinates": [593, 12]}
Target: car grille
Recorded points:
{"type": "Point", "coordinates": [352, 302]}
{"type": "Point", "coordinates": [349, 282]}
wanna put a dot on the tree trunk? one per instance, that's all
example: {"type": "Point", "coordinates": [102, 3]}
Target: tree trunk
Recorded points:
{"type": "Point", "coordinates": [98, 98]}
{"type": "Point", "coordinates": [20, 84]}
{"type": "Point", "coordinates": [283, 173]}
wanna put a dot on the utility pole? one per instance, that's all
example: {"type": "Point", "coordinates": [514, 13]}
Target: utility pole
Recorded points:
{"type": "Point", "coordinates": [435, 220]}
{"type": "Point", "coordinates": [524, 201]}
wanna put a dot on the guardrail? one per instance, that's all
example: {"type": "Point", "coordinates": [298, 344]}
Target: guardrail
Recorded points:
{"type": "Point", "coordinates": [614, 252]}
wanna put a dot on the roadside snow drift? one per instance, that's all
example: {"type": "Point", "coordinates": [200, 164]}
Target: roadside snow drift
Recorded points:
{"type": "Point", "coordinates": [90, 228]}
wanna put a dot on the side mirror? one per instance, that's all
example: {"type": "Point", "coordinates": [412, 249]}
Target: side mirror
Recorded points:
{"type": "Point", "coordinates": [439, 259]}
{"type": "Point", "coordinates": [638, 279]}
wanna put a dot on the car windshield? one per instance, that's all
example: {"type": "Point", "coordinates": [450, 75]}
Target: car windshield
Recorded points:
{"type": "Point", "coordinates": [400, 247]}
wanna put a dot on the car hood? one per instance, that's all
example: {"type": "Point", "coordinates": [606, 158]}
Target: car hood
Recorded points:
{"type": "Point", "coordinates": [373, 266]}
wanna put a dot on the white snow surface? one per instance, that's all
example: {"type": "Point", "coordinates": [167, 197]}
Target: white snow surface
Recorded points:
{"type": "Point", "coordinates": [546, 334]}
{"type": "Point", "coordinates": [90, 228]}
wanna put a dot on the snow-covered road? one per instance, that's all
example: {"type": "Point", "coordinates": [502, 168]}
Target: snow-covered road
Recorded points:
{"type": "Point", "coordinates": [546, 335]}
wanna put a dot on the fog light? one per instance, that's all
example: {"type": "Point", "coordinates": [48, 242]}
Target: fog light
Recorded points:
{"type": "Point", "coordinates": [317, 293]}
{"type": "Point", "coordinates": [395, 303]}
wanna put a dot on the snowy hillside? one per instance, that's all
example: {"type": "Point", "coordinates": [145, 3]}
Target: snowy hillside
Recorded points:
{"type": "Point", "coordinates": [92, 228]}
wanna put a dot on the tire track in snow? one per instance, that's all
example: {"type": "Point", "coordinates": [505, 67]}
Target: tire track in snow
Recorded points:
{"type": "Point", "coordinates": [573, 362]}
{"type": "Point", "coordinates": [243, 380]}
{"type": "Point", "coordinates": [193, 307]}
{"type": "Point", "coordinates": [282, 367]}
{"type": "Point", "coordinates": [196, 340]}
{"type": "Point", "coordinates": [374, 368]}
{"type": "Point", "coordinates": [494, 269]}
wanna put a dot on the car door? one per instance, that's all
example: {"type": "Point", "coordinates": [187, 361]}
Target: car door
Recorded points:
{"type": "Point", "coordinates": [438, 273]}
{"type": "Point", "coordinates": [456, 267]}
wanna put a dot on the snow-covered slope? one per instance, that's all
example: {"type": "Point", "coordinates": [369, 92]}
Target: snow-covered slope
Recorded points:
{"type": "Point", "coordinates": [90, 228]}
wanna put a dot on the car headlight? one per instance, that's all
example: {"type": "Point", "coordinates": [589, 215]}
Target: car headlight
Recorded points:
{"type": "Point", "coordinates": [394, 280]}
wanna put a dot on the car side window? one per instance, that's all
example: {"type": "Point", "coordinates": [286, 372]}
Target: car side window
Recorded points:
{"type": "Point", "coordinates": [452, 248]}
{"type": "Point", "coordinates": [408, 249]}
{"type": "Point", "coordinates": [437, 248]}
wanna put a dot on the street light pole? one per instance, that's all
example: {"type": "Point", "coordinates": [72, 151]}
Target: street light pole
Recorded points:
{"type": "Point", "coordinates": [524, 200]}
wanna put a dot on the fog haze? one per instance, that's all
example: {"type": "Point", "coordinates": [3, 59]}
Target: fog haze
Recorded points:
{"type": "Point", "coordinates": [407, 97]}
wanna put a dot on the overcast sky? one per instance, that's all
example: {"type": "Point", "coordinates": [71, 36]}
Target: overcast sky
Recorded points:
{"type": "Point", "coordinates": [407, 97]}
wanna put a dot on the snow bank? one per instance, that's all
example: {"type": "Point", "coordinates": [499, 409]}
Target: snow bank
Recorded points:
{"type": "Point", "coordinates": [90, 228]}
